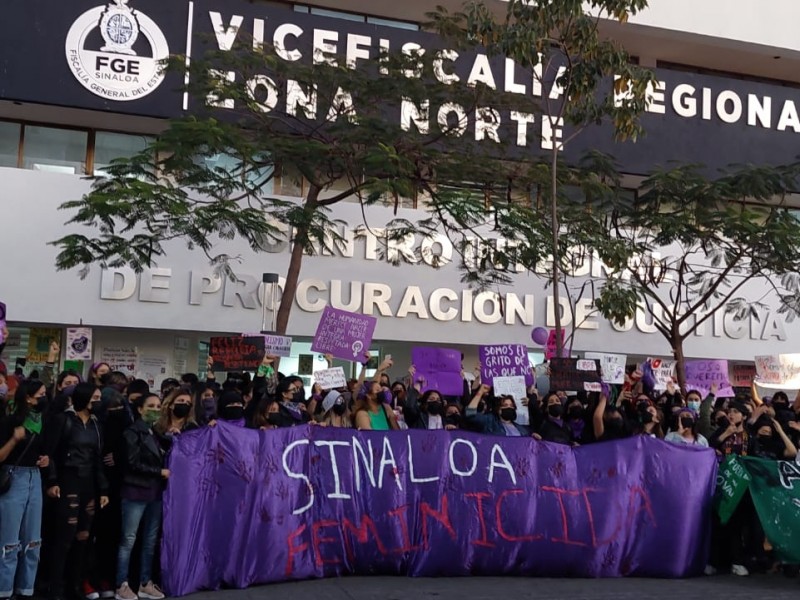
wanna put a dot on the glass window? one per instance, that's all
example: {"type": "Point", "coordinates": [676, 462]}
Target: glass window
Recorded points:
{"type": "Point", "coordinates": [55, 150]}
{"type": "Point", "coordinates": [108, 146]}
{"type": "Point", "coordinates": [392, 23]}
{"type": "Point", "coordinates": [9, 143]}
{"type": "Point", "coordinates": [336, 14]}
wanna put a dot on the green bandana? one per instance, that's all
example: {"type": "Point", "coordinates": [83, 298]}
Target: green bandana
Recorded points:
{"type": "Point", "coordinates": [33, 422]}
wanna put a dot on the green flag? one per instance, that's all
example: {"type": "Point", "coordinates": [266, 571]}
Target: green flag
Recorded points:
{"type": "Point", "coordinates": [732, 482]}
{"type": "Point", "coordinates": [775, 488]}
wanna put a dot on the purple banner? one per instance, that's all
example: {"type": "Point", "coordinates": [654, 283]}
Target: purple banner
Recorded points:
{"type": "Point", "coordinates": [506, 360]}
{"type": "Point", "coordinates": [2, 321]}
{"type": "Point", "coordinates": [700, 374]}
{"type": "Point", "coordinates": [344, 334]}
{"type": "Point", "coordinates": [245, 507]}
{"type": "Point", "coordinates": [438, 369]}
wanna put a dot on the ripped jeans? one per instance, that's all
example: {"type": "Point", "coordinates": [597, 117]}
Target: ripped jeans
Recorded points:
{"type": "Point", "coordinates": [20, 532]}
{"type": "Point", "coordinates": [74, 515]}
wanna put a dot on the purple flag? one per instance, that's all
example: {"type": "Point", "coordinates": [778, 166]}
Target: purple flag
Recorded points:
{"type": "Point", "coordinates": [344, 334]}
{"type": "Point", "coordinates": [245, 507]}
{"type": "Point", "coordinates": [506, 360]}
{"type": "Point", "coordinates": [2, 321]}
{"type": "Point", "coordinates": [438, 369]}
{"type": "Point", "coordinates": [700, 374]}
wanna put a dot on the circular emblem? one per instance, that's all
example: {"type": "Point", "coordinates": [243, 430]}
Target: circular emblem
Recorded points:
{"type": "Point", "coordinates": [127, 66]}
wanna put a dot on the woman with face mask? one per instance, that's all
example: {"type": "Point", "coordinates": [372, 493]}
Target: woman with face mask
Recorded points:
{"type": "Point", "coordinates": [177, 416]}
{"type": "Point", "coordinates": [335, 412]}
{"type": "Point", "coordinates": [23, 454]}
{"type": "Point", "coordinates": [267, 415]}
{"type": "Point", "coordinates": [142, 487]}
{"type": "Point", "coordinates": [290, 412]}
{"type": "Point", "coordinates": [501, 421]}
{"type": "Point", "coordinates": [205, 403]}
{"type": "Point", "coordinates": [686, 432]}
{"type": "Point", "coordinates": [547, 419]}
{"type": "Point", "coordinates": [649, 420]}
{"type": "Point", "coordinates": [372, 413]}
{"type": "Point", "coordinates": [771, 441]}
{"type": "Point", "coordinates": [424, 412]}
{"type": "Point", "coordinates": [230, 408]}
{"type": "Point", "coordinates": [608, 422]}
{"type": "Point", "coordinates": [76, 481]}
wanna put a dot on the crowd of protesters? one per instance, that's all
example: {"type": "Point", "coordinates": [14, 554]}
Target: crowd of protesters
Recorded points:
{"type": "Point", "coordinates": [83, 460]}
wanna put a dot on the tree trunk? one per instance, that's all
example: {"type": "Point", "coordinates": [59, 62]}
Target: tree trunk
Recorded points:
{"type": "Point", "coordinates": [293, 272]}
{"type": "Point", "coordinates": [556, 262]}
{"type": "Point", "coordinates": [680, 364]}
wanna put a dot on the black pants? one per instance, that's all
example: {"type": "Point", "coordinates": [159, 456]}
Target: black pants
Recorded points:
{"type": "Point", "coordinates": [740, 540]}
{"type": "Point", "coordinates": [74, 513]}
{"type": "Point", "coordinates": [106, 537]}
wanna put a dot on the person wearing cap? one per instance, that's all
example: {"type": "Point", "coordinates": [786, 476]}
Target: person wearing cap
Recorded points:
{"type": "Point", "coordinates": [335, 412]}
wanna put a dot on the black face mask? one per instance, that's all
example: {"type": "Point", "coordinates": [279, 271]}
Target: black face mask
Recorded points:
{"type": "Point", "coordinates": [41, 404]}
{"type": "Point", "coordinates": [181, 411]}
{"type": "Point", "coordinates": [435, 408]}
{"type": "Point", "coordinates": [232, 413]}
{"type": "Point", "coordinates": [555, 410]}
{"type": "Point", "coordinates": [575, 412]}
{"type": "Point", "coordinates": [614, 425]}
{"type": "Point", "coordinates": [453, 419]}
{"type": "Point", "coordinates": [299, 397]}
{"type": "Point", "coordinates": [687, 422]}
{"type": "Point", "coordinates": [723, 422]}
{"type": "Point", "coordinates": [508, 414]}
{"type": "Point", "coordinates": [274, 419]}
{"type": "Point", "coordinates": [338, 409]}
{"type": "Point", "coordinates": [765, 440]}
{"type": "Point", "coordinates": [647, 418]}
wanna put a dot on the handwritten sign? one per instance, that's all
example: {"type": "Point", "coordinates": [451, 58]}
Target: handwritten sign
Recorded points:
{"type": "Point", "coordinates": [612, 366]}
{"type": "Point", "coordinates": [742, 375]}
{"type": "Point", "coordinates": [236, 353]}
{"type": "Point", "coordinates": [778, 371]}
{"type": "Point", "coordinates": [506, 360]}
{"type": "Point", "coordinates": [343, 334]}
{"type": "Point", "coordinates": [571, 374]}
{"type": "Point", "coordinates": [350, 500]}
{"type": "Point", "coordinates": [515, 387]}
{"type": "Point", "coordinates": [438, 369]}
{"type": "Point", "coordinates": [700, 374]}
{"type": "Point", "coordinates": [120, 358]}
{"type": "Point", "coordinates": [39, 343]}
{"type": "Point", "coordinates": [330, 379]}
{"type": "Point", "coordinates": [663, 372]}
{"type": "Point", "coordinates": [274, 345]}
{"type": "Point", "coordinates": [79, 343]}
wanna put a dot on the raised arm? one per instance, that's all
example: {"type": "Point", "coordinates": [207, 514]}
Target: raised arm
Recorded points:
{"type": "Point", "coordinates": [597, 419]}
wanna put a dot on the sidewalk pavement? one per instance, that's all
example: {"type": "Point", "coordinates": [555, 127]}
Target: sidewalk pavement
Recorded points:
{"type": "Point", "coordinates": [758, 587]}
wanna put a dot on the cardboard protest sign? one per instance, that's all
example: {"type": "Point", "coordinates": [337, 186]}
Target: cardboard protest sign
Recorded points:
{"type": "Point", "coordinates": [274, 345]}
{"type": "Point", "coordinates": [2, 321]}
{"type": "Point", "coordinates": [700, 374]}
{"type": "Point", "coordinates": [329, 379]}
{"type": "Point", "coordinates": [663, 372]}
{"type": "Point", "coordinates": [79, 343]}
{"type": "Point", "coordinates": [572, 374]}
{"type": "Point", "coordinates": [236, 353]}
{"type": "Point", "coordinates": [515, 387]}
{"type": "Point", "coordinates": [612, 366]}
{"type": "Point", "coordinates": [39, 341]}
{"type": "Point", "coordinates": [742, 375]}
{"type": "Point", "coordinates": [344, 334]}
{"type": "Point", "coordinates": [120, 358]}
{"type": "Point", "coordinates": [504, 360]}
{"type": "Point", "coordinates": [438, 369]}
{"type": "Point", "coordinates": [779, 372]}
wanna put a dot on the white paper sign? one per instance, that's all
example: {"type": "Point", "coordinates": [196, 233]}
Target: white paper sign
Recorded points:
{"type": "Point", "coordinates": [586, 365]}
{"type": "Point", "coordinates": [330, 379]}
{"type": "Point", "coordinates": [274, 345]}
{"type": "Point", "coordinates": [612, 366]}
{"type": "Point", "coordinates": [79, 343]}
{"type": "Point", "coordinates": [120, 358]}
{"type": "Point", "coordinates": [515, 387]}
{"type": "Point", "coordinates": [592, 386]}
{"type": "Point", "coordinates": [663, 372]}
{"type": "Point", "coordinates": [781, 372]}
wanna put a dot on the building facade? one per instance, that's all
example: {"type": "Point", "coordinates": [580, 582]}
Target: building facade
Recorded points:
{"type": "Point", "coordinates": [79, 86]}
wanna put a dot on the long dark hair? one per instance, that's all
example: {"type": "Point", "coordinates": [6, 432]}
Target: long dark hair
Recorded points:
{"type": "Point", "coordinates": [25, 390]}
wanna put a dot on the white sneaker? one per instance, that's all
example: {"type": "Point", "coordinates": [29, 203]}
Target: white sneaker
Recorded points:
{"type": "Point", "coordinates": [124, 592]}
{"type": "Point", "coordinates": [150, 591]}
{"type": "Point", "coordinates": [740, 570]}
{"type": "Point", "coordinates": [709, 571]}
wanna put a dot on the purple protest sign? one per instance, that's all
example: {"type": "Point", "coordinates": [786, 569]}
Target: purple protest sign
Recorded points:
{"type": "Point", "coordinates": [700, 374]}
{"type": "Point", "coordinates": [505, 360]}
{"type": "Point", "coordinates": [310, 502]}
{"type": "Point", "coordinates": [2, 322]}
{"type": "Point", "coordinates": [438, 369]}
{"type": "Point", "coordinates": [343, 334]}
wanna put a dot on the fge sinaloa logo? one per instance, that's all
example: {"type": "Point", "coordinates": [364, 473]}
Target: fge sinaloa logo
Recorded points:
{"type": "Point", "coordinates": [121, 61]}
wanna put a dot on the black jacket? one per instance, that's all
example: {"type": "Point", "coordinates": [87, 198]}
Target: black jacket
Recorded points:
{"type": "Point", "coordinates": [144, 457]}
{"type": "Point", "coordinates": [75, 450]}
